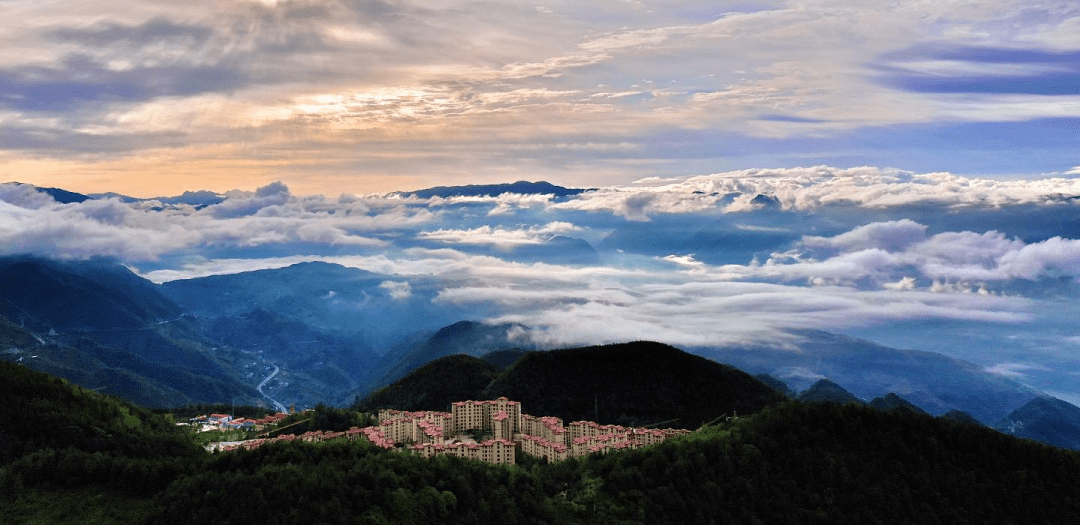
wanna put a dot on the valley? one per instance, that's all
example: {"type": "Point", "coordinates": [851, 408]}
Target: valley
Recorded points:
{"type": "Point", "coordinates": [214, 349]}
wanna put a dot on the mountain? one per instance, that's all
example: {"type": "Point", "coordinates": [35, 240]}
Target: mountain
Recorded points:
{"type": "Point", "coordinates": [828, 463]}
{"type": "Point", "coordinates": [503, 359]}
{"type": "Point", "coordinates": [825, 391]}
{"type": "Point", "coordinates": [480, 190]}
{"type": "Point", "coordinates": [70, 455]}
{"type": "Point", "coordinates": [630, 384]}
{"type": "Point", "coordinates": [891, 401]}
{"type": "Point", "coordinates": [961, 417]}
{"type": "Point", "coordinates": [730, 239]}
{"type": "Point", "coordinates": [434, 386]}
{"type": "Point", "coordinates": [195, 199]}
{"type": "Point", "coordinates": [559, 249]}
{"type": "Point", "coordinates": [776, 384]}
{"type": "Point", "coordinates": [1045, 419]}
{"type": "Point", "coordinates": [374, 310]}
{"type": "Point", "coordinates": [59, 195]}
{"type": "Point", "coordinates": [319, 366]}
{"type": "Point", "coordinates": [43, 411]}
{"type": "Point", "coordinates": [934, 382]}
{"type": "Point", "coordinates": [463, 337]}
{"type": "Point", "coordinates": [104, 327]}
{"type": "Point", "coordinates": [80, 295]}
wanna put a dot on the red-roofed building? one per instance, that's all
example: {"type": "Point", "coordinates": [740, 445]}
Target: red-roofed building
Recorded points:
{"type": "Point", "coordinates": [470, 415]}
{"type": "Point", "coordinates": [542, 448]}
{"type": "Point", "coordinates": [544, 437]}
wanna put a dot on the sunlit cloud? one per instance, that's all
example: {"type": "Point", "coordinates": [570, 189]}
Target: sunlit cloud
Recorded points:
{"type": "Point", "coordinates": [399, 95]}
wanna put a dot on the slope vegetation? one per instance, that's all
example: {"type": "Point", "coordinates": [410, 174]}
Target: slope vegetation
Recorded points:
{"type": "Point", "coordinates": [97, 323]}
{"type": "Point", "coordinates": [630, 384]}
{"type": "Point", "coordinates": [74, 456]}
{"type": "Point", "coordinates": [434, 386]}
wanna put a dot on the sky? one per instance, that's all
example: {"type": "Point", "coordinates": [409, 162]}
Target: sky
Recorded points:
{"type": "Point", "coordinates": [153, 98]}
{"type": "Point", "coordinates": [907, 173]}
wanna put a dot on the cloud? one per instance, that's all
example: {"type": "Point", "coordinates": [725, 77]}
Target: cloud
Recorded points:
{"type": "Point", "coordinates": [409, 94]}
{"type": "Point", "coordinates": [905, 284]}
{"type": "Point", "coordinates": [239, 203]}
{"type": "Point", "coordinates": [891, 236]}
{"type": "Point", "coordinates": [25, 196]}
{"type": "Point", "coordinates": [499, 237]}
{"type": "Point", "coordinates": [1014, 370]}
{"type": "Point", "coordinates": [94, 228]}
{"type": "Point", "coordinates": [812, 188]}
{"type": "Point", "coordinates": [398, 290]}
{"type": "Point", "coordinates": [984, 70]}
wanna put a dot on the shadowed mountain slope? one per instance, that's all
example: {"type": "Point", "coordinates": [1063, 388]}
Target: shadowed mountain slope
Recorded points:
{"type": "Point", "coordinates": [631, 384]}
{"type": "Point", "coordinates": [91, 295]}
{"type": "Point", "coordinates": [102, 326]}
{"type": "Point", "coordinates": [892, 401]}
{"type": "Point", "coordinates": [434, 386]}
{"type": "Point", "coordinates": [825, 391]}
{"type": "Point", "coordinates": [464, 337]}
{"type": "Point", "coordinates": [1045, 419]}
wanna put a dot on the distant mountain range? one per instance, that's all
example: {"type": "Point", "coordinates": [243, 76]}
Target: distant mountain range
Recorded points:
{"type": "Point", "coordinates": [104, 327]}
{"type": "Point", "coordinates": [203, 198]}
{"type": "Point", "coordinates": [349, 302]}
{"type": "Point", "coordinates": [215, 339]}
{"type": "Point", "coordinates": [933, 381]}
{"type": "Point", "coordinates": [492, 190]}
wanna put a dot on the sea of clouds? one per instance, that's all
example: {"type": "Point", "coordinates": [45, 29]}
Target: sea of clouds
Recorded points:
{"type": "Point", "coordinates": [981, 269]}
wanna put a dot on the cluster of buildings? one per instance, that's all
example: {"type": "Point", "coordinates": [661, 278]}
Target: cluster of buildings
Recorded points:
{"type": "Point", "coordinates": [352, 434]}
{"type": "Point", "coordinates": [504, 427]}
{"type": "Point", "coordinates": [227, 422]}
{"type": "Point", "coordinates": [433, 433]}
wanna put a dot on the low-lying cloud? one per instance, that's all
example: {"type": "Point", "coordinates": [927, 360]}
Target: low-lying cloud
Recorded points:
{"type": "Point", "coordinates": [823, 248]}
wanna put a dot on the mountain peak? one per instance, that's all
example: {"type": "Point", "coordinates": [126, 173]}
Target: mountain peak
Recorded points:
{"type": "Point", "coordinates": [1046, 419]}
{"type": "Point", "coordinates": [494, 190]}
{"type": "Point", "coordinates": [825, 391]}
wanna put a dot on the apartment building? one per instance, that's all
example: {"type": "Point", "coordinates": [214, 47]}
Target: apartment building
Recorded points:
{"type": "Point", "coordinates": [543, 448]}
{"type": "Point", "coordinates": [416, 427]}
{"type": "Point", "coordinates": [469, 415]}
{"type": "Point", "coordinates": [499, 451]}
{"type": "Point", "coordinates": [547, 427]}
{"type": "Point", "coordinates": [427, 433]}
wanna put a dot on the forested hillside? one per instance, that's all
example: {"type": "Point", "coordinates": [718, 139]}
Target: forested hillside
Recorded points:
{"type": "Point", "coordinates": [74, 456]}
{"type": "Point", "coordinates": [434, 386]}
{"type": "Point", "coordinates": [100, 325]}
{"type": "Point", "coordinates": [630, 384]}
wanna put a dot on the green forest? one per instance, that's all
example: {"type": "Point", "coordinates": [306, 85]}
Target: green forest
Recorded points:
{"type": "Point", "coordinates": [70, 455]}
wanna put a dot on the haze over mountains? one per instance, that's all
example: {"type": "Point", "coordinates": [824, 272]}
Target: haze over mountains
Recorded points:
{"type": "Point", "coordinates": [772, 271]}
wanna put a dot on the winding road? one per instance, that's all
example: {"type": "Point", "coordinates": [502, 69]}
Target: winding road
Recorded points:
{"type": "Point", "coordinates": [280, 407]}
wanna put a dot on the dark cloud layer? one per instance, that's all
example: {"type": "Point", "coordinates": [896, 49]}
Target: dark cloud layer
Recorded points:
{"type": "Point", "coordinates": [1019, 71]}
{"type": "Point", "coordinates": [78, 80]}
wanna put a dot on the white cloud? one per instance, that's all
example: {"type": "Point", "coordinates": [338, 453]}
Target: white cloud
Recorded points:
{"type": "Point", "coordinates": [905, 284]}
{"type": "Point", "coordinates": [398, 290]}
{"type": "Point", "coordinates": [500, 237]}
{"type": "Point", "coordinates": [891, 236]}
{"type": "Point", "coordinates": [1014, 370]}
{"type": "Point", "coordinates": [24, 196]}
{"type": "Point", "coordinates": [821, 186]}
